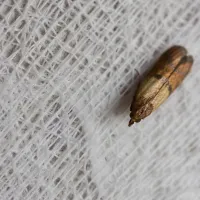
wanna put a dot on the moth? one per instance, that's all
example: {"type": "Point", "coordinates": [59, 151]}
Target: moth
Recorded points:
{"type": "Point", "coordinates": [165, 76]}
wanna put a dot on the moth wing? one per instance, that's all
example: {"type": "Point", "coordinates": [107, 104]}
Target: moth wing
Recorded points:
{"type": "Point", "coordinates": [159, 74]}
{"type": "Point", "coordinates": [173, 82]}
{"type": "Point", "coordinates": [180, 72]}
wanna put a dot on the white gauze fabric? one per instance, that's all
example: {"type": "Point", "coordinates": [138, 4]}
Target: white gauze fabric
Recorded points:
{"type": "Point", "coordinates": [68, 71]}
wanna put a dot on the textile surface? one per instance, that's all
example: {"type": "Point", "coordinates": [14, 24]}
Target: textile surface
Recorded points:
{"type": "Point", "coordinates": [68, 71]}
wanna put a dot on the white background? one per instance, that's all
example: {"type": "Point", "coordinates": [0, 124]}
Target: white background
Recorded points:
{"type": "Point", "coordinates": [68, 70]}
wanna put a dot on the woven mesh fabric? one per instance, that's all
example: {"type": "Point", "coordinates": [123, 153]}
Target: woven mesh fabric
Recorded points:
{"type": "Point", "coordinates": [68, 70]}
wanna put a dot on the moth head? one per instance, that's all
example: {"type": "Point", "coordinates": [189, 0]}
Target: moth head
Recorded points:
{"type": "Point", "coordinates": [140, 113]}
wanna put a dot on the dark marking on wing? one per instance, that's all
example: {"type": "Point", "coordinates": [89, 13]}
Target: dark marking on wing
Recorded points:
{"type": "Point", "coordinates": [158, 76]}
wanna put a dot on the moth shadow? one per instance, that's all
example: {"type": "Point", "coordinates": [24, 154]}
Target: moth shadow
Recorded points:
{"type": "Point", "coordinates": [126, 99]}
{"type": "Point", "coordinates": [124, 102]}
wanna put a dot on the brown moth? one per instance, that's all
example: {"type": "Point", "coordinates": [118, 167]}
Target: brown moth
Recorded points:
{"type": "Point", "coordinates": [166, 75]}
